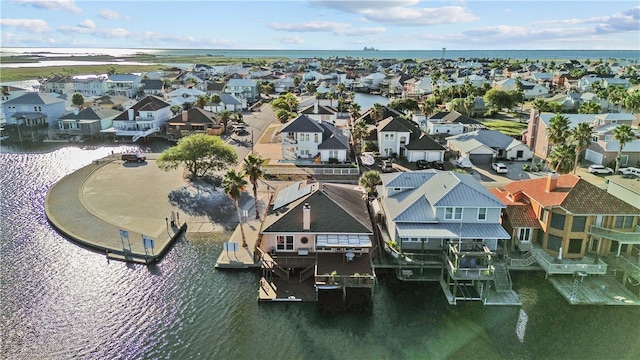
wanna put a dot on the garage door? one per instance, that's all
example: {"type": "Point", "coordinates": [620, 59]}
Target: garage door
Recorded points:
{"type": "Point", "coordinates": [593, 156]}
{"type": "Point", "coordinates": [434, 156]}
{"type": "Point", "coordinates": [480, 158]}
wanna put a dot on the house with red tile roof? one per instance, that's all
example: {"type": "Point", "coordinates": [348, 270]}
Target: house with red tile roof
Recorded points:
{"type": "Point", "coordinates": [568, 217]}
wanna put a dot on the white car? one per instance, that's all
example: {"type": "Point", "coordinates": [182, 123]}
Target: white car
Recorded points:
{"type": "Point", "coordinates": [630, 171]}
{"type": "Point", "coordinates": [600, 169]}
{"type": "Point", "coordinates": [500, 168]}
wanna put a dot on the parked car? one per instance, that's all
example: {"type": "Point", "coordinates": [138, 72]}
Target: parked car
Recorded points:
{"type": "Point", "coordinates": [500, 168]}
{"type": "Point", "coordinates": [133, 158]}
{"type": "Point", "coordinates": [600, 169]}
{"type": "Point", "coordinates": [424, 164]}
{"type": "Point", "coordinates": [386, 166]}
{"type": "Point", "coordinates": [629, 171]}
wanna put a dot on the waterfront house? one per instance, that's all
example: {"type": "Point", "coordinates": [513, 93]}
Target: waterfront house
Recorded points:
{"type": "Point", "coordinates": [442, 226]}
{"type": "Point", "coordinates": [483, 146]}
{"type": "Point", "coordinates": [146, 117]}
{"type": "Point", "coordinates": [625, 188]}
{"type": "Point", "coordinates": [117, 102]}
{"type": "Point", "coordinates": [89, 85]}
{"type": "Point", "coordinates": [575, 219]}
{"type": "Point", "coordinates": [305, 138]}
{"type": "Point", "coordinates": [124, 84]}
{"type": "Point", "coordinates": [317, 236]}
{"type": "Point", "coordinates": [87, 122]}
{"type": "Point", "coordinates": [59, 84]}
{"type": "Point", "coordinates": [319, 113]}
{"type": "Point", "coordinates": [193, 121]}
{"type": "Point", "coordinates": [34, 110]}
{"type": "Point", "coordinates": [183, 97]}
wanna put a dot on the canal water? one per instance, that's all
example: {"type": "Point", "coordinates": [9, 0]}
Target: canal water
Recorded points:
{"type": "Point", "coordinates": [60, 301]}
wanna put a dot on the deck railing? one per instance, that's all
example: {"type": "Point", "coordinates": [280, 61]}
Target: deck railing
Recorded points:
{"type": "Point", "coordinates": [553, 266]}
{"type": "Point", "coordinates": [621, 236]}
{"type": "Point", "coordinates": [354, 280]}
{"type": "Point", "coordinates": [477, 273]}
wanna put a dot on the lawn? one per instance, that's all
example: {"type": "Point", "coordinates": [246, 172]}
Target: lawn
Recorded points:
{"type": "Point", "coordinates": [506, 127]}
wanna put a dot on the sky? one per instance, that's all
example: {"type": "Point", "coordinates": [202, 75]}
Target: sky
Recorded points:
{"type": "Point", "coordinates": [322, 24]}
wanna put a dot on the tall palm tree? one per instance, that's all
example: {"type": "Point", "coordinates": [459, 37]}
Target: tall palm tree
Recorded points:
{"type": "Point", "coordinates": [540, 104]}
{"type": "Point", "coordinates": [581, 138]}
{"type": "Point", "coordinates": [377, 112]}
{"type": "Point", "coordinates": [225, 116]}
{"type": "Point", "coordinates": [558, 130]}
{"type": "Point", "coordinates": [234, 184]}
{"type": "Point", "coordinates": [624, 135]}
{"type": "Point", "coordinates": [202, 101]}
{"type": "Point", "coordinates": [215, 100]}
{"type": "Point", "coordinates": [359, 132]}
{"type": "Point", "coordinates": [331, 96]}
{"type": "Point", "coordinates": [369, 180]}
{"type": "Point", "coordinates": [562, 158]}
{"type": "Point", "coordinates": [354, 111]}
{"type": "Point", "coordinates": [428, 107]}
{"type": "Point", "coordinates": [252, 167]}
{"type": "Point", "coordinates": [341, 87]}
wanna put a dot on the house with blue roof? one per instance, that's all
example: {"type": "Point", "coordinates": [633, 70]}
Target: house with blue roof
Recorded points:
{"type": "Point", "coordinates": [443, 226]}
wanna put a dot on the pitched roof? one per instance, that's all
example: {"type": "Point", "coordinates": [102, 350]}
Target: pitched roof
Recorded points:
{"type": "Point", "coordinates": [334, 209]}
{"type": "Point", "coordinates": [196, 115]}
{"type": "Point", "coordinates": [424, 142]}
{"type": "Point", "coordinates": [302, 124]}
{"type": "Point", "coordinates": [34, 98]}
{"type": "Point", "coordinates": [333, 138]}
{"type": "Point", "coordinates": [150, 84]}
{"type": "Point", "coordinates": [148, 103]}
{"type": "Point", "coordinates": [90, 113]}
{"type": "Point", "coordinates": [455, 117]}
{"type": "Point", "coordinates": [572, 193]}
{"type": "Point", "coordinates": [491, 138]}
{"type": "Point", "coordinates": [520, 214]}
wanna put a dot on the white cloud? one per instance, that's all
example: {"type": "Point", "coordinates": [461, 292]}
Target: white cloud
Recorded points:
{"type": "Point", "coordinates": [87, 24]}
{"type": "Point", "coordinates": [336, 28]}
{"type": "Point", "coordinates": [402, 13]}
{"type": "Point", "coordinates": [101, 33]}
{"type": "Point", "coordinates": [292, 39]}
{"type": "Point", "coordinates": [66, 5]}
{"type": "Point", "coordinates": [620, 22]}
{"type": "Point", "coordinates": [111, 14]}
{"type": "Point", "coordinates": [32, 25]}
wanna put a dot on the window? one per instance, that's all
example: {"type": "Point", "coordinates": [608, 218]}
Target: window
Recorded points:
{"type": "Point", "coordinates": [578, 224]}
{"type": "Point", "coordinates": [315, 137]}
{"type": "Point", "coordinates": [557, 221]}
{"type": "Point", "coordinates": [452, 213]}
{"type": "Point", "coordinates": [524, 234]}
{"type": "Point", "coordinates": [304, 137]}
{"type": "Point", "coordinates": [624, 222]}
{"type": "Point", "coordinates": [554, 242]}
{"type": "Point", "coordinates": [543, 215]}
{"type": "Point", "coordinates": [284, 242]}
{"type": "Point", "coordinates": [482, 213]}
{"type": "Point", "coordinates": [519, 154]}
{"type": "Point", "coordinates": [388, 136]}
{"type": "Point", "coordinates": [575, 246]}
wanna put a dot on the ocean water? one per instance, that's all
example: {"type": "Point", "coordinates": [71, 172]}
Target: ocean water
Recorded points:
{"type": "Point", "coordinates": [61, 301]}
{"type": "Point", "coordinates": [543, 55]}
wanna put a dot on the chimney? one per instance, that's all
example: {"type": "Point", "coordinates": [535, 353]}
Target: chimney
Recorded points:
{"type": "Point", "coordinates": [315, 107]}
{"type": "Point", "coordinates": [552, 182]}
{"type": "Point", "coordinates": [185, 116]}
{"type": "Point", "coordinates": [306, 217]}
{"type": "Point", "coordinates": [131, 113]}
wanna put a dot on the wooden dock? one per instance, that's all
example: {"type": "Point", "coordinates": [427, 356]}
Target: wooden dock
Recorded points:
{"type": "Point", "coordinates": [593, 290]}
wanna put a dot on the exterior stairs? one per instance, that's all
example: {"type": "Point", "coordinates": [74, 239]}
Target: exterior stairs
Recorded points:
{"type": "Point", "coordinates": [502, 279]}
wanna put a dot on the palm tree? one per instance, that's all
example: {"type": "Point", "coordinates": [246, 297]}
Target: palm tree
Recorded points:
{"type": "Point", "coordinates": [624, 135]}
{"type": "Point", "coordinates": [225, 116]}
{"type": "Point", "coordinates": [215, 100]}
{"type": "Point", "coordinates": [540, 104]}
{"type": "Point", "coordinates": [252, 167]}
{"type": "Point", "coordinates": [234, 184]}
{"type": "Point", "coordinates": [369, 180]}
{"type": "Point", "coordinates": [562, 158]}
{"type": "Point", "coordinates": [428, 107]}
{"type": "Point", "coordinates": [589, 107]}
{"type": "Point", "coordinates": [331, 96]}
{"type": "Point", "coordinates": [354, 111]}
{"type": "Point", "coordinates": [201, 101]}
{"type": "Point", "coordinates": [341, 87]}
{"type": "Point", "coordinates": [359, 132]}
{"type": "Point", "coordinates": [632, 102]}
{"type": "Point", "coordinates": [377, 112]}
{"type": "Point", "coordinates": [581, 138]}
{"type": "Point", "coordinates": [558, 130]}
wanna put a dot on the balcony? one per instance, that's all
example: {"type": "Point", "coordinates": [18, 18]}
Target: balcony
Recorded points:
{"type": "Point", "coordinates": [625, 237]}
{"type": "Point", "coordinates": [469, 260]}
{"type": "Point", "coordinates": [289, 140]}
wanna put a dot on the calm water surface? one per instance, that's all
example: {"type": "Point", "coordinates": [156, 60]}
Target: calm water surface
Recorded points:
{"type": "Point", "coordinates": [60, 301]}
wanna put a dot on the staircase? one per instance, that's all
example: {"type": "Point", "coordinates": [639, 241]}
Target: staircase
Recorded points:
{"type": "Point", "coordinates": [502, 278]}
{"type": "Point", "coordinates": [528, 259]}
